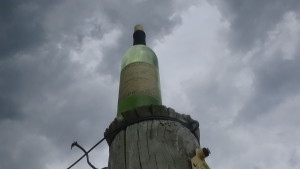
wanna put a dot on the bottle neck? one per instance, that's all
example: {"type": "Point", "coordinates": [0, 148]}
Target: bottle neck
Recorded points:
{"type": "Point", "coordinates": [139, 37]}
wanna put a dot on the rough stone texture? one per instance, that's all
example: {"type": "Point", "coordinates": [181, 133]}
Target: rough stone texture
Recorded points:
{"type": "Point", "coordinates": [149, 144]}
{"type": "Point", "coordinates": [146, 113]}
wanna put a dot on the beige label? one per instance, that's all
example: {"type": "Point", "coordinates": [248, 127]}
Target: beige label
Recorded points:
{"type": "Point", "coordinates": [139, 78]}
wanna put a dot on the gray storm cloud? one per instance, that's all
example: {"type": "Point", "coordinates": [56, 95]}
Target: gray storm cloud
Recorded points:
{"type": "Point", "coordinates": [49, 92]}
{"type": "Point", "coordinates": [59, 70]}
{"type": "Point", "coordinates": [250, 21]}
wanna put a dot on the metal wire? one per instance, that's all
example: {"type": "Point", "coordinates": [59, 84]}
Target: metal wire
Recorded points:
{"type": "Point", "coordinates": [87, 152]}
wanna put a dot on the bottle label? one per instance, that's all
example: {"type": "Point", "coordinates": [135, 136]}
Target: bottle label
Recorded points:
{"type": "Point", "coordinates": [139, 78]}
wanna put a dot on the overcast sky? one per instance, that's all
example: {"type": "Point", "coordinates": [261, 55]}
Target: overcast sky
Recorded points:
{"type": "Point", "coordinates": [232, 65]}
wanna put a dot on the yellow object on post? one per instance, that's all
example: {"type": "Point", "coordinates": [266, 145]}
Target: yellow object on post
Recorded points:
{"type": "Point", "coordinates": [198, 161]}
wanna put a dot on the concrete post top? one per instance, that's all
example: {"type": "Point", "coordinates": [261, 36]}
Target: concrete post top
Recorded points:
{"type": "Point", "coordinates": [150, 112]}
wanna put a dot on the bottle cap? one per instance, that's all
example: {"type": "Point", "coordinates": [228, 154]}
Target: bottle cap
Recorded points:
{"type": "Point", "coordinates": [138, 27]}
{"type": "Point", "coordinates": [139, 36]}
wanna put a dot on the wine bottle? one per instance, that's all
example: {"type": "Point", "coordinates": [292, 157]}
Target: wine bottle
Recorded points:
{"type": "Point", "coordinates": [139, 79]}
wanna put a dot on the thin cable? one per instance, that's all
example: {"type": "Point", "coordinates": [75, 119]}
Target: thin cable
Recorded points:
{"type": "Point", "coordinates": [87, 152]}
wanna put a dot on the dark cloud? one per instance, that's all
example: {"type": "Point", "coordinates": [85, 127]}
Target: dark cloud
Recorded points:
{"type": "Point", "coordinates": [273, 62]}
{"type": "Point", "coordinates": [274, 83]}
{"type": "Point", "coordinates": [276, 80]}
{"type": "Point", "coordinates": [21, 25]}
{"type": "Point", "coordinates": [9, 109]}
{"type": "Point", "coordinates": [49, 94]}
{"type": "Point", "coordinates": [247, 101]}
{"type": "Point", "coordinates": [158, 20]}
{"type": "Point", "coordinates": [59, 71]}
{"type": "Point", "coordinates": [250, 21]}
{"type": "Point", "coordinates": [293, 162]}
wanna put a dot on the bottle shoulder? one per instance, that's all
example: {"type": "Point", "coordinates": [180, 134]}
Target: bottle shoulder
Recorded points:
{"type": "Point", "coordinates": [139, 53]}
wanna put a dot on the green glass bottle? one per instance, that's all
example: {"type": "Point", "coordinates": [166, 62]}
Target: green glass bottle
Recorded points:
{"type": "Point", "coordinates": [139, 80]}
